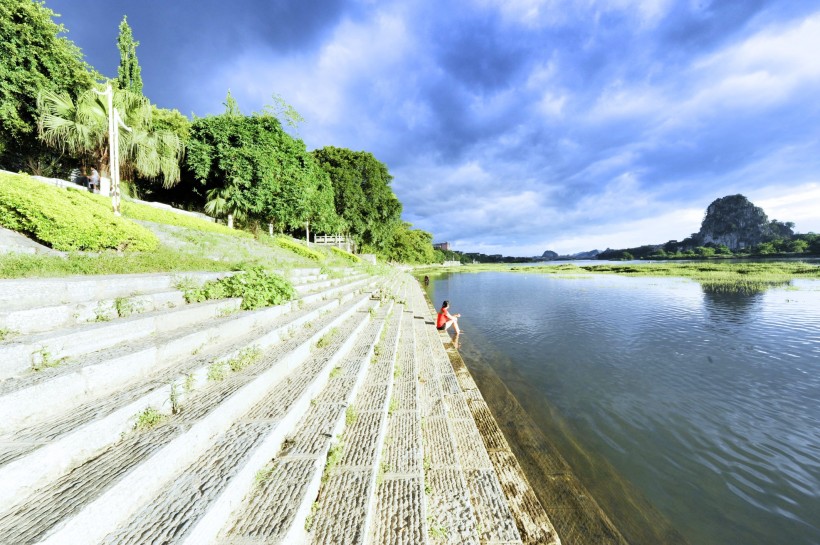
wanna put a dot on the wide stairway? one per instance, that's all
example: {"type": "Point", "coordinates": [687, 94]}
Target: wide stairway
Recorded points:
{"type": "Point", "coordinates": [129, 416]}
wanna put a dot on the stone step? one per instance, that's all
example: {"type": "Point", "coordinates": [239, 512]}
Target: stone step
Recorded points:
{"type": "Point", "coordinates": [26, 293]}
{"type": "Point", "coordinates": [343, 508]}
{"type": "Point", "coordinates": [399, 514]}
{"type": "Point", "coordinates": [204, 495]}
{"type": "Point", "coordinates": [94, 497]}
{"type": "Point", "coordinates": [64, 439]}
{"type": "Point", "coordinates": [466, 407]}
{"type": "Point", "coordinates": [31, 353]}
{"type": "Point", "coordinates": [46, 318]}
{"type": "Point", "coordinates": [25, 395]}
{"type": "Point", "coordinates": [451, 517]}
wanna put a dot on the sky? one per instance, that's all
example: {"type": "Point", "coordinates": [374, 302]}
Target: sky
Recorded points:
{"type": "Point", "coordinates": [512, 126]}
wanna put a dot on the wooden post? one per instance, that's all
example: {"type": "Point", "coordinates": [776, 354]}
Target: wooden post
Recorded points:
{"type": "Point", "coordinates": [307, 233]}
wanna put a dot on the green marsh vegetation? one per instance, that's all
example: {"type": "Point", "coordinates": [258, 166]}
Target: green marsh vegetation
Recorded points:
{"type": "Point", "coordinates": [745, 277]}
{"type": "Point", "coordinates": [718, 276]}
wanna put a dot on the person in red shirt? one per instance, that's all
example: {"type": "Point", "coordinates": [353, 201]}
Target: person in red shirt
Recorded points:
{"type": "Point", "coordinates": [445, 319]}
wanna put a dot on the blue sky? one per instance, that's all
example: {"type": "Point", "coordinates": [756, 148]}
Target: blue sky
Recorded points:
{"type": "Point", "coordinates": [513, 126]}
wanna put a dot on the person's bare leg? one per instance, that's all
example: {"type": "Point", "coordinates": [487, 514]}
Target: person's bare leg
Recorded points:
{"type": "Point", "coordinates": [455, 327]}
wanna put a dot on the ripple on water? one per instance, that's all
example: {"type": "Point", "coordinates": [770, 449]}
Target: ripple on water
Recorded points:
{"type": "Point", "coordinates": [707, 402]}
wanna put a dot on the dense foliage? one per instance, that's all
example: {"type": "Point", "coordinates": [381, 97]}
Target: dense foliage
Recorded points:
{"type": "Point", "coordinates": [363, 196]}
{"type": "Point", "coordinates": [257, 287]}
{"type": "Point", "coordinates": [251, 168]}
{"type": "Point", "coordinates": [129, 73]}
{"type": "Point", "coordinates": [410, 246]}
{"type": "Point", "coordinates": [66, 219]}
{"type": "Point", "coordinates": [33, 57]}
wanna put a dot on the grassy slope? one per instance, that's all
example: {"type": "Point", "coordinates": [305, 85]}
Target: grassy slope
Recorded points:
{"type": "Point", "coordinates": [177, 242]}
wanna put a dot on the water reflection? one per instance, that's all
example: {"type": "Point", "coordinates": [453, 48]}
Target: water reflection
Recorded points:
{"type": "Point", "coordinates": [731, 306]}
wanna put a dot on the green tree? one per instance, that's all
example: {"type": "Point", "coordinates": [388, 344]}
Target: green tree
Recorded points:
{"type": "Point", "coordinates": [412, 246]}
{"type": "Point", "coordinates": [363, 196]}
{"type": "Point", "coordinates": [81, 127]}
{"type": "Point", "coordinates": [129, 73]}
{"type": "Point", "coordinates": [268, 175]}
{"type": "Point", "coordinates": [33, 57]}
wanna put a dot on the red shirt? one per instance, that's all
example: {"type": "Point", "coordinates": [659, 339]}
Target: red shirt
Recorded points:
{"type": "Point", "coordinates": [443, 316]}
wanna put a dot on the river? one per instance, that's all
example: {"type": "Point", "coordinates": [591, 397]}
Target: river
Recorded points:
{"type": "Point", "coordinates": [705, 405]}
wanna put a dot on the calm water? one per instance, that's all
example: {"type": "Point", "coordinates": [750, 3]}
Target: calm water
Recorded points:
{"type": "Point", "coordinates": [708, 404]}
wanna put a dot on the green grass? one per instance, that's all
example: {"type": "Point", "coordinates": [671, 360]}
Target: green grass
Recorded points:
{"type": "Point", "coordinates": [162, 260]}
{"type": "Point", "coordinates": [246, 357]}
{"type": "Point", "coordinates": [345, 255]}
{"type": "Point", "coordinates": [217, 371]}
{"type": "Point", "coordinates": [334, 456]}
{"type": "Point", "coordinates": [144, 212]}
{"type": "Point", "coordinates": [326, 339]}
{"type": "Point", "coordinates": [67, 219]}
{"type": "Point", "coordinates": [149, 418]}
{"type": "Point", "coordinates": [289, 244]}
{"type": "Point", "coordinates": [749, 277]}
{"type": "Point", "coordinates": [351, 415]}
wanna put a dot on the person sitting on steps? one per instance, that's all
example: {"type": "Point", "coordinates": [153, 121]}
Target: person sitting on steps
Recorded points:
{"type": "Point", "coordinates": [445, 319]}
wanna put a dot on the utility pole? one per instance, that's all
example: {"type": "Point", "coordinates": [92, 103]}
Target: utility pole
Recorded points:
{"type": "Point", "coordinates": [114, 123]}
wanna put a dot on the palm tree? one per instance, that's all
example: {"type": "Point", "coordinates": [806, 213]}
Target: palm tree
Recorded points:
{"type": "Point", "coordinates": [80, 126]}
{"type": "Point", "coordinates": [226, 201]}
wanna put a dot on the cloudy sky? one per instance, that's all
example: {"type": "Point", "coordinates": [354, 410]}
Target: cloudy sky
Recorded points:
{"type": "Point", "coordinates": [513, 126]}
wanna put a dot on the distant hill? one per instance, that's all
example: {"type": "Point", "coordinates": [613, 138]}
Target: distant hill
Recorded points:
{"type": "Point", "coordinates": [549, 255]}
{"type": "Point", "coordinates": [736, 223]}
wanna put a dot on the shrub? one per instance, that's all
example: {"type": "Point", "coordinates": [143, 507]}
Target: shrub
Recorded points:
{"type": "Point", "coordinates": [296, 248]}
{"type": "Point", "coordinates": [257, 287]}
{"type": "Point", "coordinates": [346, 255]}
{"type": "Point", "coordinates": [67, 220]}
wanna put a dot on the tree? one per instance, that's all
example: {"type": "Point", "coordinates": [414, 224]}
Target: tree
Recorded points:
{"type": "Point", "coordinates": [412, 246]}
{"type": "Point", "coordinates": [33, 57]}
{"type": "Point", "coordinates": [363, 197]}
{"type": "Point", "coordinates": [81, 127]}
{"type": "Point", "coordinates": [269, 175]}
{"type": "Point", "coordinates": [129, 72]}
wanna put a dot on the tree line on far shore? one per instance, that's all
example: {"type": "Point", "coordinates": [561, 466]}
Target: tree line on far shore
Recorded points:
{"type": "Point", "coordinates": [54, 121]}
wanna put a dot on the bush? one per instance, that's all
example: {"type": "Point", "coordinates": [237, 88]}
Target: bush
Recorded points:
{"type": "Point", "coordinates": [144, 212]}
{"type": "Point", "coordinates": [296, 248]}
{"type": "Point", "coordinates": [257, 287]}
{"type": "Point", "coordinates": [67, 220]}
{"type": "Point", "coordinates": [346, 255]}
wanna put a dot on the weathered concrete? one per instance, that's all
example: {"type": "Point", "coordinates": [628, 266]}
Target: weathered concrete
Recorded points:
{"type": "Point", "coordinates": [350, 424]}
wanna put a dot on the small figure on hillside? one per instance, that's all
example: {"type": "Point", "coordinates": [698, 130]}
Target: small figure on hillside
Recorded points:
{"type": "Point", "coordinates": [426, 280]}
{"type": "Point", "coordinates": [445, 319]}
{"type": "Point", "coordinates": [94, 181]}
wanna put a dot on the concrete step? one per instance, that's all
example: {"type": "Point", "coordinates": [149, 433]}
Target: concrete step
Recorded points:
{"type": "Point", "coordinates": [38, 396]}
{"type": "Point", "coordinates": [93, 498]}
{"type": "Point", "coordinates": [400, 511]}
{"type": "Point", "coordinates": [38, 319]}
{"type": "Point", "coordinates": [206, 493]}
{"type": "Point", "coordinates": [66, 438]}
{"type": "Point", "coordinates": [279, 510]}
{"type": "Point", "coordinates": [211, 510]}
{"type": "Point", "coordinates": [37, 352]}
{"type": "Point", "coordinates": [27, 293]}
{"type": "Point", "coordinates": [344, 507]}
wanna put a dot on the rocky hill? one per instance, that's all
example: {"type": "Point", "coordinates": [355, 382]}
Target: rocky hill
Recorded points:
{"type": "Point", "coordinates": [735, 222]}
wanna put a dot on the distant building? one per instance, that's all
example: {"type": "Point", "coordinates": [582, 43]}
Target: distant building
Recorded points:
{"type": "Point", "coordinates": [441, 246]}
